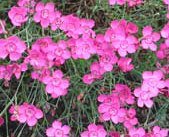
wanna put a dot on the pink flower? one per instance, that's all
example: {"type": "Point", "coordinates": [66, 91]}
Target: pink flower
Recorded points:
{"type": "Point", "coordinates": [144, 97]}
{"type": "Point", "coordinates": [165, 31]}
{"type": "Point", "coordinates": [114, 134]}
{"type": "Point", "coordinates": [94, 131]}
{"type": "Point", "coordinates": [132, 3]}
{"type": "Point", "coordinates": [130, 118]}
{"type": "Point", "coordinates": [2, 26]}
{"type": "Point", "coordinates": [109, 108]}
{"type": "Point", "coordinates": [120, 2]}
{"type": "Point", "coordinates": [26, 113]}
{"type": "Point", "coordinates": [120, 38]}
{"type": "Point", "coordinates": [56, 23]}
{"type": "Point", "coordinates": [124, 94]}
{"type": "Point", "coordinates": [1, 121]}
{"type": "Point", "coordinates": [152, 81]}
{"type": "Point", "coordinates": [140, 132]}
{"type": "Point", "coordinates": [57, 130]}
{"type": "Point", "coordinates": [124, 64]}
{"type": "Point", "coordinates": [26, 3]}
{"type": "Point", "coordinates": [44, 13]}
{"type": "Point", "coordinates": [166, 2]}
{"type": "Point", "coordinates": [163, 52]}
{"type": "Point", "coordinates": [82, 48]}
{"type": "Point", "coordinates": [12, 46]}
{"type": "Point", "coordinates": [158, 132]}
{"type": "Point", "coordinates": [149, 38]}
{"type": "Point", "coordinates": [88, 79]}
{"type": "Point", "coordinates": [18, 15]}
{"type": "Point", "coordinates": [56, 85]}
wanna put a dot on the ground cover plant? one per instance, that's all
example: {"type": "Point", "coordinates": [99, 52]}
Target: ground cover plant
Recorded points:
{"type": "Point", "coordinates": [89, 68]}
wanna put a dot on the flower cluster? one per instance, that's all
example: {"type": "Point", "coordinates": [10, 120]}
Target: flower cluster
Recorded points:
{"type": "Point", "coordinates": [151, 85]}
{"type": "Point", "coordinates": [26, 113]}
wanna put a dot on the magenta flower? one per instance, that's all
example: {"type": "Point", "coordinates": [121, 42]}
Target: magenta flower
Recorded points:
{"type": "Point", "coordinates": [144, 97]}
{"type": "Point", "coordinates": [158, 132]}
{"type": "Point", "coordinates": [25, 113]}
{"type": "Point", "coordinates": [18, 15]}
{"type": "Point", "coordinates": [56, 85]}
{"type": "Point", "coordinates": [124, 64]}
{"type": "Point", "coordinates": [88, 79]}
{"type": "Point", "coordinates": [163, 52]}
{"type": "Point", "coordinates": [149, 38]}
{"type": "Point", "coordinates": [12, 46]}
{"type": "Point", "coordinates": [132, 3]}
{"type": "Point", "coordinates": [1, 121]}
{"type": "Point", "coordinates": [2, 26]}
{"type": "Point", "coordinates": [44, 13]}
{"type": "Point", "coordinates": [130, 119]}
{"type": "Point", "coordinates": [94, 131]}
{"type": "Point", "coordinates": [56, 23]}
{"type": "Point", "coordinates": [140, 132]}
{"type": "Point", "coordinates": [114, 134]}
{"type": "Point", "coordinates": [26, 3]}
{"type": "Point", "coordinates": [165, 31]}
{"type": "Point", "coordinates": [119, 2]}
{"type": "Point", "coordinates": [124, 94]}
{"type": "Point", "coordinates": [57, 130]}
{"type": "Point", "coordinates": [152, 81]}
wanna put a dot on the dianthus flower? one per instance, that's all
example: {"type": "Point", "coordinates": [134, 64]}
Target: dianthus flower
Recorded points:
{"type": "Point", "coordinates": [57, 21]}
{"type": "Point", "coordinates": [144, 97]}
{"type": "Point", "coordinates": [152, 81]}
{"type": "Point", "coordinates": [130, 119]}
{"type": "Point", "coordinates": [140, 132]}
{"type": "Point", "coordinates": [119, 2]}
{"type": "Point", "coordinates": [149, 38]}
{"type": "Point", "coordinates": [7, 71]}
{"type": "Point", "coordinates": [94, 131]}
{"type": "Point", "coordinates": [76, 27]}
{"type": "Point", "coordinates": [2, 26]}
{"type": "Point", "coordinates": [12, 46]}
{"type": "Point", "coordinates": [56, 85]}
{"type": "Point", "coordinates": [114, 134]}
{"type": "Point", "coordinates": [120, 38]}
{"type": "Point", "coordinates": [124, 64]}
{"type": "Point", "coordinates": [163, 52]}
{"type": "Point", "coordinates": [132, 3]}
{"type": "Point", "coordinates": [59, 53]}
{"type": "Point", "coordinates": [58, 130]}
{"type": "Point", "coordinates": [26, 113]}
{"type": "Point", "coordinates": [82, 48]}
{"type": "Point", "coordinates": [26, 3]}
{"type": "Point", "coordinates": [109, 108]}
{"type": "Point", "coordinates": [158, 132]}
{"type": "Point", "coordinates": [44, 13]}
{"type": "Point", "coordinates": [124, 94]}
{"type": "Point", "coordinates": [18, 15]}
{"type": "Point", "coordinates": [1, 121]}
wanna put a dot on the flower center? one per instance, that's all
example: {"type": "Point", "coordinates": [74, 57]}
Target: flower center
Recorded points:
{"type": "Point", "coordinates": [45, 13]}
{"type": "Point", "coordinates": [58, 133]}
{"type": "Point", "coordinates": [55, 82]}
{"type": "Point", "coordinates": [93, 134]}
{"type": "Point", "coordinates": [29, 112]}
{"type": "Point", "coordinates": [144, 96]}
{"type": "Point", "coordinates": [11, 47]}
{"type": "Point", "coordinates": [113, 111]}
{"type": "Point", "coordinates": [18, 17]}
{"type": "Point", "coordinates": [123, 45]}
{"type": "Point", "coordinates": [152, 82]}
{"type": "Point", "coordinates": [149, 40]}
